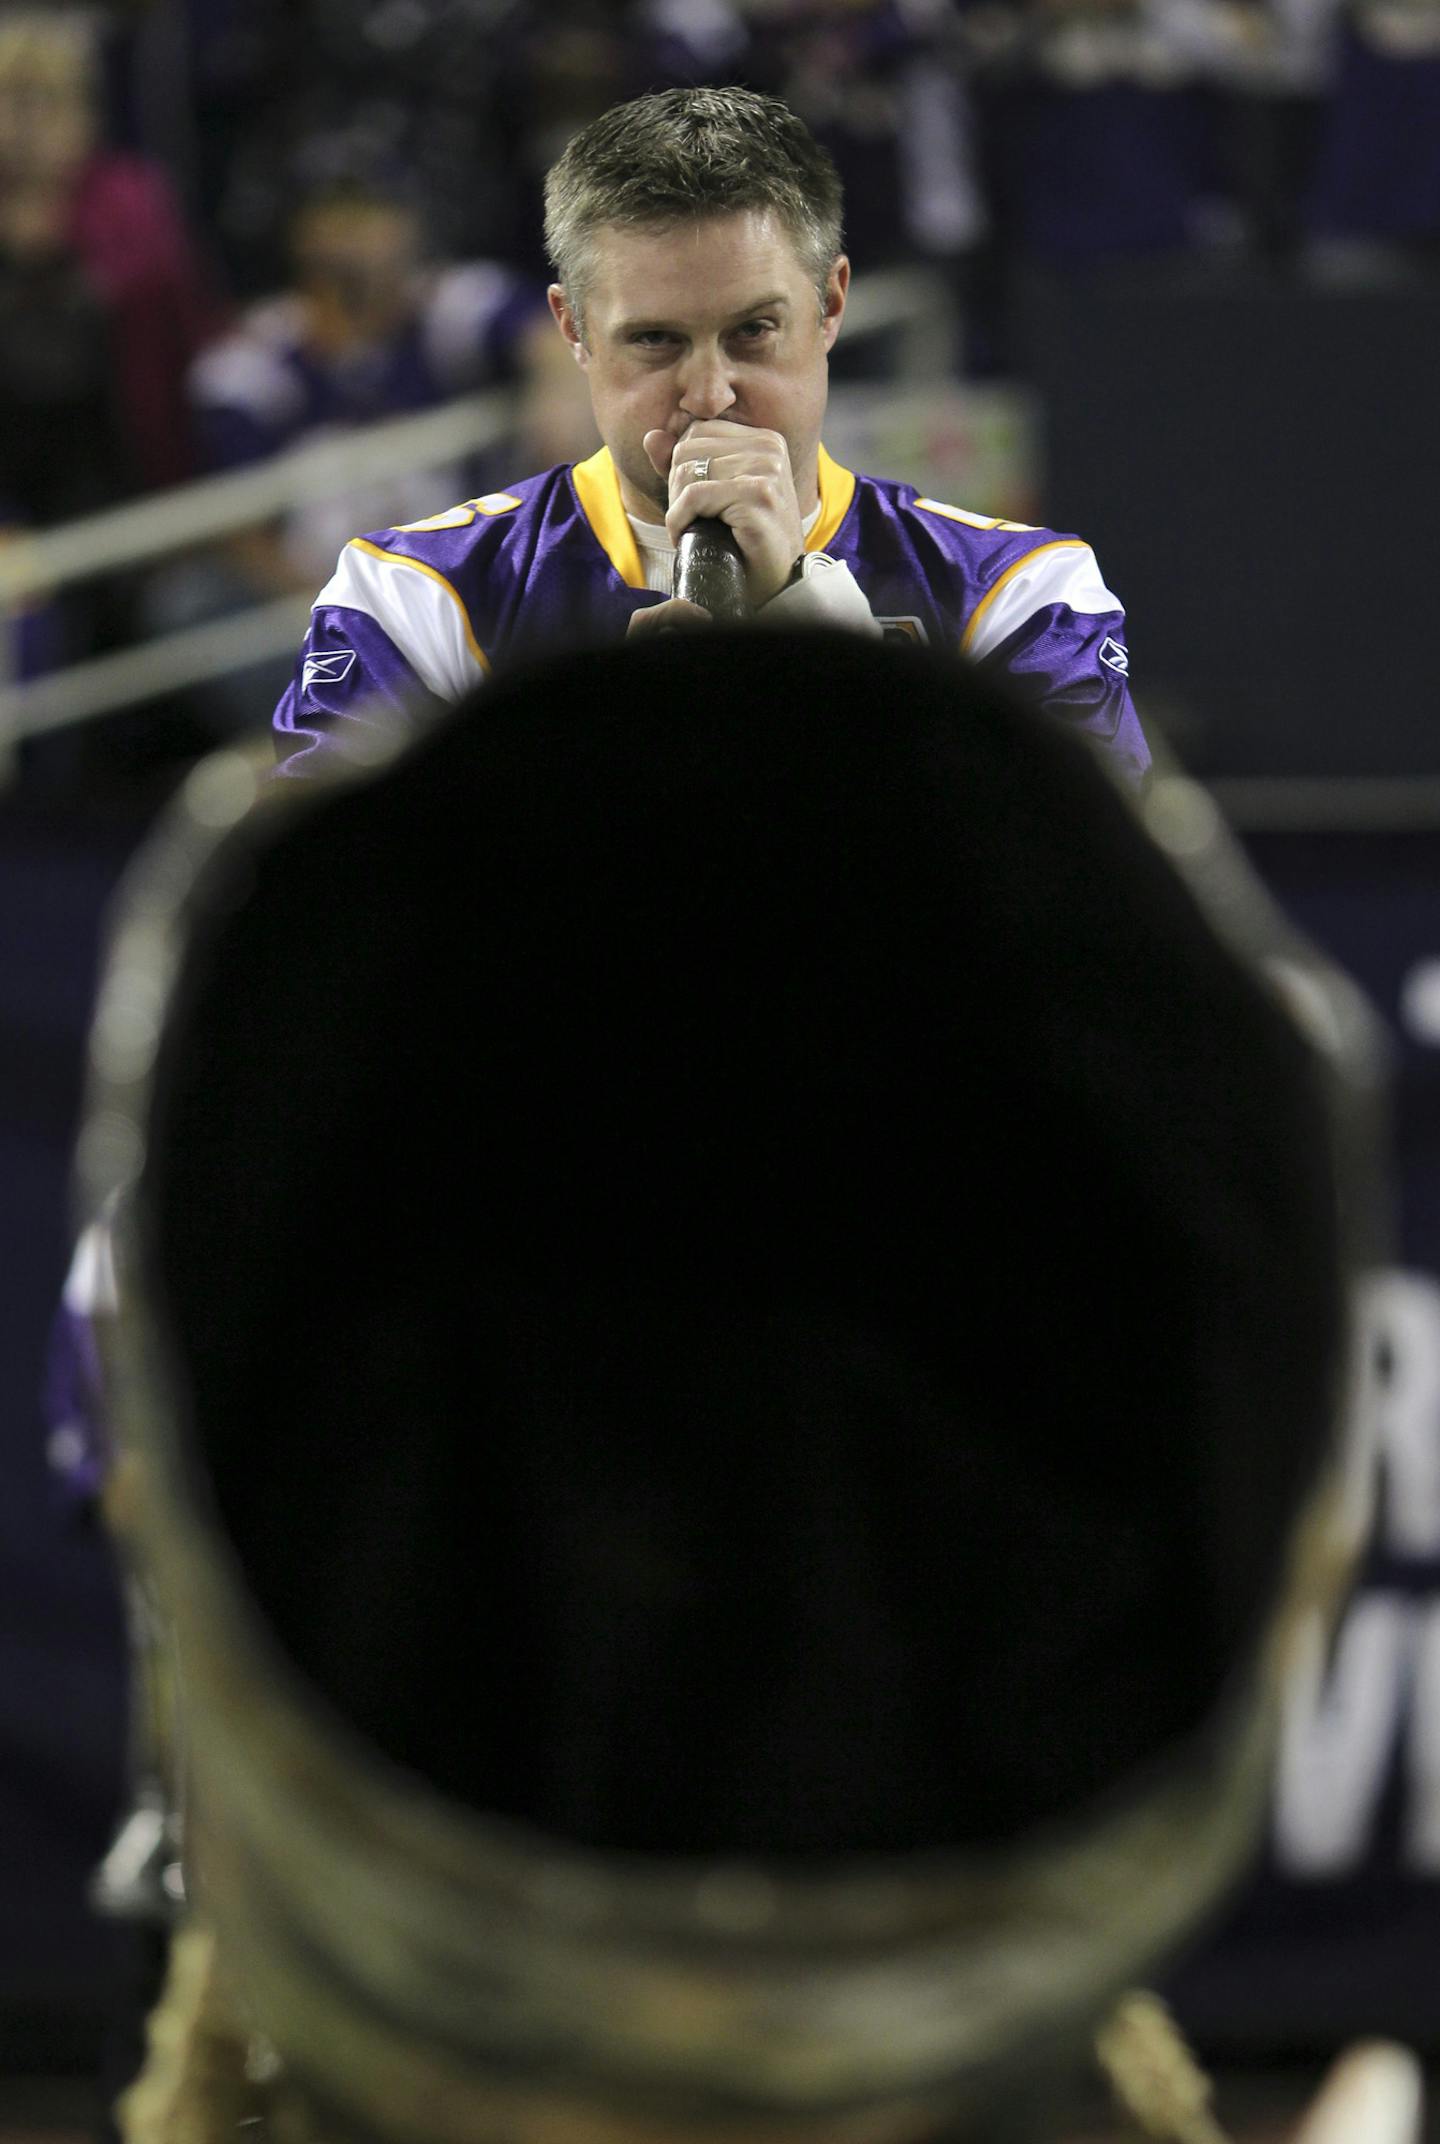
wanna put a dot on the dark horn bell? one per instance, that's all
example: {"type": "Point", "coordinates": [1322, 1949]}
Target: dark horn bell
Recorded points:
{"type": "Point", "coordinates": [734, 1329]}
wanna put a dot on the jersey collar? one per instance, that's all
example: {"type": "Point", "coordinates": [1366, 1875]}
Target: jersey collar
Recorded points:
{"type": "Point", "coordinates": [597, 487]}
{"type": "Point", "coordinates": [837, 489]}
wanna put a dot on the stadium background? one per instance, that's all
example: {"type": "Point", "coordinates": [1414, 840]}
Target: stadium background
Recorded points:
{"type": "Point", "coordinates": [1166, 271]}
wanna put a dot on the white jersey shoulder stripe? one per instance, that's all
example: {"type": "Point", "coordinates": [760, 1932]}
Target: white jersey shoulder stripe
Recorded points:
{"type": "Point", "coordinates": [90, 1284]}
{"type": "Point", "coordinates": [974, 521]}
{"type": "Point", "coordinates": [416, 608]}
{"type": "Point", "coordinates": [1063, 571]}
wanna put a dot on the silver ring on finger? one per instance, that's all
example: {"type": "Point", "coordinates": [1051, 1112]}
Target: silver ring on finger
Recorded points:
{"type": "Point", "coordinates": [700, 470]}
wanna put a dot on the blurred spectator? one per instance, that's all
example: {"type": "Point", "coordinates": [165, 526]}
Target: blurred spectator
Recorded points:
{"type": "Point", "coordinates": [1376, 200]}
{"type": "Point", "coordinates": [61, 450]}
{"type": "Point", "coordinates": [104, 228]}
{"type": "Point", "coordinates": [102, 308]}
{"type": "Point", "coordinates": [367, 330]}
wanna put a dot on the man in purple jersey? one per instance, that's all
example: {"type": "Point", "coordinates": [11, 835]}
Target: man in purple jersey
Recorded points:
{"type": "Point", "coordinates": [701, 284]}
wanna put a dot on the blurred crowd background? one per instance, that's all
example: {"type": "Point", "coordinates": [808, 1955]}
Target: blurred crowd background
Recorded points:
{"type": "Point", "coordinates": [1163, 271]}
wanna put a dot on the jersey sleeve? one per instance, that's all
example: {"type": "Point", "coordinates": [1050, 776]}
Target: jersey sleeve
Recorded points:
{"type": "Point", "coordinates": [1054, 629]}
{"type": "Point", "coordinates": [73, 1397]}
{"type": "Point", "coordinates": [389, 636]}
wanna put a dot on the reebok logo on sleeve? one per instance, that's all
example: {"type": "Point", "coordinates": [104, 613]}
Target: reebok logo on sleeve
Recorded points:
{"type": "Point", "coordinates": [327, 669]}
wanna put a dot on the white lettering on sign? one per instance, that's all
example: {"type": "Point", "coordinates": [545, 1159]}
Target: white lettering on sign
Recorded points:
{"type": "Point", "coordinates": [1398, 1418]}
{"type": "Point", "coordinates": [1370, 1700]}
{"type": "Point", "coordinates": [1422, 1826]}
{"type": "Point", "coordinates": [1338, 1731]}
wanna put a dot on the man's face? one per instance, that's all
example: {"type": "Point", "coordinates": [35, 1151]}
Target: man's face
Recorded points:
{"type": "Point", "coordinates": [716, 318]}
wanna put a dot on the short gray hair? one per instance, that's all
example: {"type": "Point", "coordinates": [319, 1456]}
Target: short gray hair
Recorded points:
{"type": "Point", "coordinates": [685, 153]}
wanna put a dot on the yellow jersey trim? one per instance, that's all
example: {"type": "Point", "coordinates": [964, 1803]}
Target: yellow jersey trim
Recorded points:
{"type": "Point", "coordinates": [837, 489]}
{"type": "Point", "coordinates": [398, 558]}
{"type": "Point", "coordinates": [597, 487]}
{"type": "Point", "coordinates": [1061, 543]}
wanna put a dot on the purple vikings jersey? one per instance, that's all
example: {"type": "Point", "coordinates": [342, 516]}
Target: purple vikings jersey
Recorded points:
{"type": "Point", "coordinates": [419, 614]}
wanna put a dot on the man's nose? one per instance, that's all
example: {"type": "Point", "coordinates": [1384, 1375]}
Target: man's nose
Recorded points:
{"type": "Point", "coordinates": [705, 386]}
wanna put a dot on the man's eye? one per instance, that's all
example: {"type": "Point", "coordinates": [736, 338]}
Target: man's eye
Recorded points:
{"type": "Point", "coordinates": [755, 330]}
{"type": "Point", "coordinates": [652, 338]}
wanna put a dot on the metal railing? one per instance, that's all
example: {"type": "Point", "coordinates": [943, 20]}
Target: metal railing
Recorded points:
{"type": "Point", "coordinates": [156, 527]}
{"type": "Point", "coordinates": [169, 521]}
{"type": "Point", "coordinates": [906, 303]}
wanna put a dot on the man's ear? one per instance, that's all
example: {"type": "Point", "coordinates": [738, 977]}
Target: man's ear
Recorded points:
{"type": "Point", "coordinates": [837, 289]}
{"type": "Point", "coordinates": [565, 320]}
